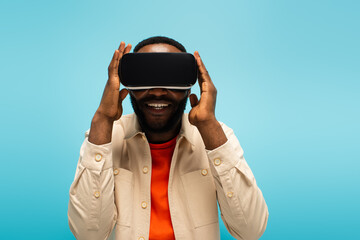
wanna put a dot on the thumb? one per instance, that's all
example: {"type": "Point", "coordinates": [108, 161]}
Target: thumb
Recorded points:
{"type": "Point", "coordinates": [122, 94]}
{"type": "Point", "coordinates": [193, 100]}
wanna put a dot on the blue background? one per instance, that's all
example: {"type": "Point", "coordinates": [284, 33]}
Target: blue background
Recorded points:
{"type": "Point", "coordinates": [287, 74]}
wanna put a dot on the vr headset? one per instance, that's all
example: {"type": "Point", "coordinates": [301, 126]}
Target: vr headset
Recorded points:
{"type": "Point", "coordinates": [139, 71]}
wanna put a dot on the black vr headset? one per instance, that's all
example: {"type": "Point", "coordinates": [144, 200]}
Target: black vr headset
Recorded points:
{"type": "Point", "coordinates": [140, 71]}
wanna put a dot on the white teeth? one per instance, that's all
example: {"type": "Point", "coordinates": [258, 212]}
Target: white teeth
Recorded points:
{"type": "Point", "coordinates": [158, 105]}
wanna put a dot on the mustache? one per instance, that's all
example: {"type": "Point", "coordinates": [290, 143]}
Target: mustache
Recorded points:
{"type": "Point", "coordinates": [150, 98]}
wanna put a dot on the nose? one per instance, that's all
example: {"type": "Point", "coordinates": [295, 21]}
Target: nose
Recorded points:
{"type": "Point", "coordinates": [158, 92]}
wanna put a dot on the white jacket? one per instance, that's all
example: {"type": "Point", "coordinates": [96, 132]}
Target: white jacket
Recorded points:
{"type": "Point", "coordinates": [110, 196]}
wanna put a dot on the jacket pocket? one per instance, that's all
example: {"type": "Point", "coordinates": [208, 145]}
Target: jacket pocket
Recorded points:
{"type": "Point", "coordinates": [124, 196]}
{"type": "Point", "coordinates": [201, 197]}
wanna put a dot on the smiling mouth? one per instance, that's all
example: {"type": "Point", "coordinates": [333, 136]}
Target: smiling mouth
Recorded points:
{"type": "Point", "coordinates": [157, 106]}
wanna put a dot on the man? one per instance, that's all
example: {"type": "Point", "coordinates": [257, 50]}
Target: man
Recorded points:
{"type": "Point", "coordinates": [159, 173]}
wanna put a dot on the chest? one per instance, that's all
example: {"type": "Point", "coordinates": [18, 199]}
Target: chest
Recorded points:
{"type": "Point", "coordinates": [191, 189]}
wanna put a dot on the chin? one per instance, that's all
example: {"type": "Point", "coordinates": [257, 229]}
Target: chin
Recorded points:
{"type": "Point", "coordinates": [159, 126]}
{"type": "Point", "coordinates": [156, 125]}
{"type": "Point", "coordinates": [151, 123]}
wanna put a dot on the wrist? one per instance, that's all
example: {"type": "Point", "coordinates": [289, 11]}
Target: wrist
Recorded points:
{"type": "Point", "coordinates": [100, 117]}
{"type": "Point", "coordinates": [101, 129]}
{"type": "Point", "coordinates": [212, 134]}
{"type": "Point", "coordinates": [206, 124]}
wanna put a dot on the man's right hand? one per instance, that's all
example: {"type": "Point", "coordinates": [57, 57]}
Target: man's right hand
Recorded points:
{"type": "Point", "coordinates": [110, 108]}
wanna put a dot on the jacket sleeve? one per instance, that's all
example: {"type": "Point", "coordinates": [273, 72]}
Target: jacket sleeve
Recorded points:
{"type": "Point", "coordinates": [92, 211]}
{"type": "Point", "coordinates": [242, 205]}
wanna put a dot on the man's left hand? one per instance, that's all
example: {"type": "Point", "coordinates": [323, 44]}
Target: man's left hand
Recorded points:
{"type": "Point", "coordinates": [203, 110]}
{"type": "Point", "coordinates": [202, 114]}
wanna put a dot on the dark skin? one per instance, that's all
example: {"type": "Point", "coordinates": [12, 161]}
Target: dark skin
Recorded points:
{"type": "Point", "coordinates": [202, 114]}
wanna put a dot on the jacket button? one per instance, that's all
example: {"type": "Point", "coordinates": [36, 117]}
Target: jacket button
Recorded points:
{"type": "Point", "coordinates": [145, 169]}
{"type": "Point", "coordinates": [204, 172]}
{"type": "Point", "coordinates": [116, 171]}
{"type": "Point", "coordinates": [141, 238]}
{"type": "Point", "coordinates": [143, 205]}
{"type": "Point", "coordinates": [230, 194]}
{"type": "Point", "coordinates": [98, 157]}
{"type": "Point", "coordinates": [217, 161]}
{"type": "Point", "coordinates": [97, 194]}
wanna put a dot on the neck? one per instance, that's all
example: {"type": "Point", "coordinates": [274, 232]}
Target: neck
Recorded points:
{"type": "Point", "coordinates": [156, 137]}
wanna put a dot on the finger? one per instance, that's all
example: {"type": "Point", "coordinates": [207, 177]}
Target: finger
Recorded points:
{"type": "Point", "coordinates": [114, 63]}
{"type": "Point", "coordinates": [193, 100]}
{"type": "Point", "coordinates": [121, 46]}
{"type": "Point", "coordinates": [122, 95]}
{"type": "Point", "coordinates": [202, 69]}
{"type": "Point", "coordinates": [116, 58]}
{"type": "Point", "coordinates": [205, 82]}
{"type": "Point", "coordinates": [202, 72]}
{"type": "Point", "coordinates": [123, 50]}
{"type": "Point", "coordinates": [127, 49]}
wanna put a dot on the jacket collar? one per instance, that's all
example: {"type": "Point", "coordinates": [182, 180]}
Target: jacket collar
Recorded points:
{"type": "Point", "coordinates": [133, 128]}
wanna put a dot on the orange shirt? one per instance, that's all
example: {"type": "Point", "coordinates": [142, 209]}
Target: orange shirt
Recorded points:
{"type": "Point", "coordinates": [160, 219]}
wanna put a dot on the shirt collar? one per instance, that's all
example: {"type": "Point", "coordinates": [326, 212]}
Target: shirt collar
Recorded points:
{"type": "Point", "coordinates": [187, 130]}
{"type": "Point", "coordinates": [133, 128]}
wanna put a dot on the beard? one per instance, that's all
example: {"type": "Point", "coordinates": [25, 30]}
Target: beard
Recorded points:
{"type": "Point", "coordinates": [159, 127]}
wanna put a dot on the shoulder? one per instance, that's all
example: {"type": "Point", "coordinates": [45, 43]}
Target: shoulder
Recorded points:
{"type": "Point", "coordinates": [192, 134]}
{"type": "Point", "coordinates": [125, 120]}
{"type": "Point", "coordinates": [126, 124]}
{"type": "Point", "coordinates": [227, 130]}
